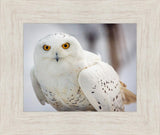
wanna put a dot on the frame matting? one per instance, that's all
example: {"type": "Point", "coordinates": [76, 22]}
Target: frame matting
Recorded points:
{"type": "Point", "coordinates": [14, 13]}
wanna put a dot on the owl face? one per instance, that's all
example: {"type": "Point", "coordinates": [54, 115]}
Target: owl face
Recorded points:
{"type": "Point", "coordinates": [57, 47]}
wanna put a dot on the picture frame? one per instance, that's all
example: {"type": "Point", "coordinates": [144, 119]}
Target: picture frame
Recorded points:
{"type": "Point", "coordinates": [14, 121]}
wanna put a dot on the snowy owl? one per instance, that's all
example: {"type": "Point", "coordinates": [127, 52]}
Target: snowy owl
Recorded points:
{"type": "Point", "coordinates": [72, 79]}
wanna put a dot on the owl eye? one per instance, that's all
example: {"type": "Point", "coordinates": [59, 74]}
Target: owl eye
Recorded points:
{"type": "Point", "coordinates": [46, 47]}
{"type": "Point", "coordinates": [66, 46]}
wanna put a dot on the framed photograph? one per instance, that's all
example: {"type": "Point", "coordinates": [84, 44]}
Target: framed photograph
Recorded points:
{"type": "Point", "coordinates": [56, 55]}
{"type": "Point", "coordinates": [79, 68]}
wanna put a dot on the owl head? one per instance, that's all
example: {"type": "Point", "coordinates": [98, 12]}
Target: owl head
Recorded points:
{"type": "Point", "coordinates": [57, 47]}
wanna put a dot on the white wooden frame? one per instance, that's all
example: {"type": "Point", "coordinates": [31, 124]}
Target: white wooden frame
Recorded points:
{"type": "Point", "coordinates": [13, 121]}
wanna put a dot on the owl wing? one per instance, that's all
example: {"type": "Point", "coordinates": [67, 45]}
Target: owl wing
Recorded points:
{"type": "Point", "coordinates": [37, 88]}
{"type": "Point", "coordinates": [101, 85]}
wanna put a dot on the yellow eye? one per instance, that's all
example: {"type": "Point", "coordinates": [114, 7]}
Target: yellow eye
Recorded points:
{"type": "Point", "coordinates": [46, 47]}
{"type": "Point", "coordinates": [66, 46]}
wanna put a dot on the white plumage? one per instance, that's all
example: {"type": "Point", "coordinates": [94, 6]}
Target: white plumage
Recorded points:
{"type": "Point", "coordinates": [70, 78]}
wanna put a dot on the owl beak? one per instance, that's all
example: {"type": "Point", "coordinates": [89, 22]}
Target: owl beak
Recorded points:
{"type": "Point", "coordinates": [57, 58]}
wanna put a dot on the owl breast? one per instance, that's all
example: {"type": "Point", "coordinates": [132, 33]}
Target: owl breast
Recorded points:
{"type": "Point", "coordinates": [71, 101]}
{"type": "Point", "coordinates": [63, 91]}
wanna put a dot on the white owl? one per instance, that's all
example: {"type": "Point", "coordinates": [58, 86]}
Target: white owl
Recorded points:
{"type": "Point", "coordinates": [72, 79]}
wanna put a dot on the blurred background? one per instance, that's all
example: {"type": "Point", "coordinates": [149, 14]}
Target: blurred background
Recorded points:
{"type": "Point", "coordinates": [116, 43]}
